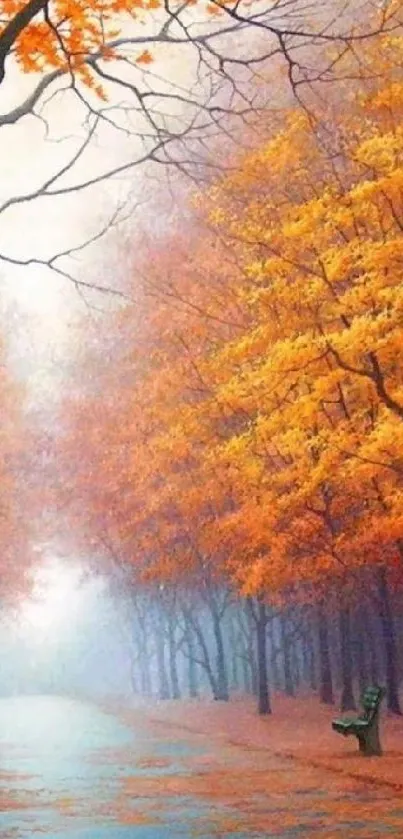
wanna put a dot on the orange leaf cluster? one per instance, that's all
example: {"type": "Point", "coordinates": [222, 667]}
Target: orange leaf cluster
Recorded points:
{"type": "Point", "coordinates": [251, 415]}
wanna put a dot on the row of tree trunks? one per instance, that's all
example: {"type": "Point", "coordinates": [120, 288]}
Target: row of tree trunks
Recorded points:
{"type": "Point", "coordinates": [252, 645]}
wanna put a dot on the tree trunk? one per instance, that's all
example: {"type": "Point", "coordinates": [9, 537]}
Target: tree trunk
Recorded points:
{"type": "Point", "coordinates": [192, 669]}
{"type": "Point", "coordinates": [347, 702]}
{"type": "Point", "coordinates": [163, 684]}
{"type": "Point", "coordinates": [145, 675]}
{"type": "Point", "coordinates": [263, 682]}
{"type": "Point", "coordinates": [144, 660]}
{"type": "Point", "coordinates": [313, 681]}
{"type": "Point", "coordinates": [361, 643]}
{"type": "Point", "coordinates": [287, 663]}
{"type": "Point", "coordinates": [173, 669]}
{"type": "Point", "coordinates": [204, 662]}
{"type": "Point", "coordinates": [251, 653]}
{"type": "Point", "coordinates": [234, 656]}
{"type": "Point", "coordinates": [246, 672]}
{"type": "Point", "coordinates": [296, 666]}
{"type": "Point", "coordinates": [325, 670]}
{"type": "Point", "coordinates": [254, 673]}
{"type": "Point", "coordinates": [370, 639]}
{"type": "Point", "coordinates": [308, 660]}
{"type": "Point", "coordinates": [222, 692]}
{"type": "Point", "coordinates": [389, 640]}
{"type": "Point", "coordinates": [274, 668]}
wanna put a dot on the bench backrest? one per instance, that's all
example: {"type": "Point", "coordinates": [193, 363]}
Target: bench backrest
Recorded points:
{"type": "Point", "coordinates": [371, 700]}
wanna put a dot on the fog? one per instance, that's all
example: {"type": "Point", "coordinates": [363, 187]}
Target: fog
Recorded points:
{"type": "Point", "coordinates": [66, 637]}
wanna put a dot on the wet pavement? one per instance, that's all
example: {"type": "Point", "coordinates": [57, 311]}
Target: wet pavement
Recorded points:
{"type": "Point", "coordinates": [70, 770]}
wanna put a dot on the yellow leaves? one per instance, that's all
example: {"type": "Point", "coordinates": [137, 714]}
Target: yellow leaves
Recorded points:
{"type": "Point", "coordinates": [334, 282]}
{"type": "Point", "coordinates": [389, 97]}
{"type": "Point", "coordinates": [282, 152]}
{"type": "Point", "coordinates": [260, 432]}
{"type": "Point", "coordinates": [145, 58]}
{"type": "Point", "coordinates": [305, 219]}
{"type": "Point", "coordinates": [217, 216]}
{"type": "Point", "coordinates": [382, 152]}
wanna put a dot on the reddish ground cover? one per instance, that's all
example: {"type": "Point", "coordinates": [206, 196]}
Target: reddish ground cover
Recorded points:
{"type": "Point", "coordinates": [298, 728]}
{"type": "Point", "coordinates": [191, 770]}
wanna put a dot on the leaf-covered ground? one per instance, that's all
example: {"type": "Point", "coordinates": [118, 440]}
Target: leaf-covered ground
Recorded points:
{"type": "Point", "coordinates": [71, 771]}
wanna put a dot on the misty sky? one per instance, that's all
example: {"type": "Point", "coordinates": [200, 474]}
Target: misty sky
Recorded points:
{"type": "Point", "coordinates": [69, 635]}
{"type": "Point", "coordinates": [44, 304]}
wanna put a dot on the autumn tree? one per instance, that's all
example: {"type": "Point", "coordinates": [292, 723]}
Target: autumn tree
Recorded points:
{"type": "Point", "coordinates": [244, 437]}
{"type": "Point", "coordinates": [319, 376]}
{"type": "Point", "coordinates": [156, 81]}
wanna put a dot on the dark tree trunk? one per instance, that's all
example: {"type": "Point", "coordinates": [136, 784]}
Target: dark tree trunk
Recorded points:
{"type": "Point", "coordinates": [375, 667]}
{"type": "Point", "coordinates": [308, 660]}
{"type": "Point", "coordinates": [254, 673]}
{"type": "Point", "coordinates": [313, 681]}
{"type": "Point", "coordinates": [389, 640]}
{"type": "Point", "coordinates": [325, 670]}
{"type": "Point", "coordinates": [274, 668]}
{"type": "Point", "coordinates": [251, 652]}
{"type": "Point", "coordinates": [222, 691]}
{"type": "Point", "coordinates": [233, 643]}
{"type": "Point", "coordinates": [296, 666]}
{"type": "Point", "coordinates": [163, 684]}
{"type": "Point", "coordinates": [287, 661]}
{"type": "Point", "coordinates": [205, 661]}
{"type": "Point", "coordinates": [193, 684]}
{"type": "Point", "coordinates": [246, 672]}
{"type": "Point", "coordinates": [173, 668]}
{"type": "Point", "coordinates": [361, 643]}
{"type": "Point", "coordinates": [370, 637]}
{"type": "Point", "coordinates": [347, 702]}
{"type": "Point", "coordinates": [263, 682]}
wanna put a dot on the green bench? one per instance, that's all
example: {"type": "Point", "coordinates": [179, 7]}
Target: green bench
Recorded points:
{"type": "Point", "coordinates": [366, 726]}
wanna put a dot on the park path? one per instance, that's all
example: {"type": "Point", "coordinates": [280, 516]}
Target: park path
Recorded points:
{"type": "Point", "coordinates": [70, 770]}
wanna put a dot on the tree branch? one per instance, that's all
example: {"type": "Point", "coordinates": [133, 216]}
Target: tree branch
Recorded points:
{"type": "Point", "coordinates": [15, 27]}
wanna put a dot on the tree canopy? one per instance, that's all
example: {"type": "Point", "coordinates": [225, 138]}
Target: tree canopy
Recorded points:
{"type": "Point", "coordinates": [250, 415]}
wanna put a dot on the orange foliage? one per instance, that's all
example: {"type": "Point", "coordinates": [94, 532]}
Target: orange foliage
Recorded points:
{"type": "Point", "coordinates": [145, 58]}
{"type": "Point", "coordinates": [250, 419]}
{"type": "Point", "coordinates": [64, 34]}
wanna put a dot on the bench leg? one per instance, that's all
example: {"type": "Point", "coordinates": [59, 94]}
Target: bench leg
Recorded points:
{"type": "Point", "coordinates": [369, 741]}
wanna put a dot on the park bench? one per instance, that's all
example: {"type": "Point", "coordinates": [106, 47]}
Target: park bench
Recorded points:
{"type": "Point", "coordinates": [365, 726]}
